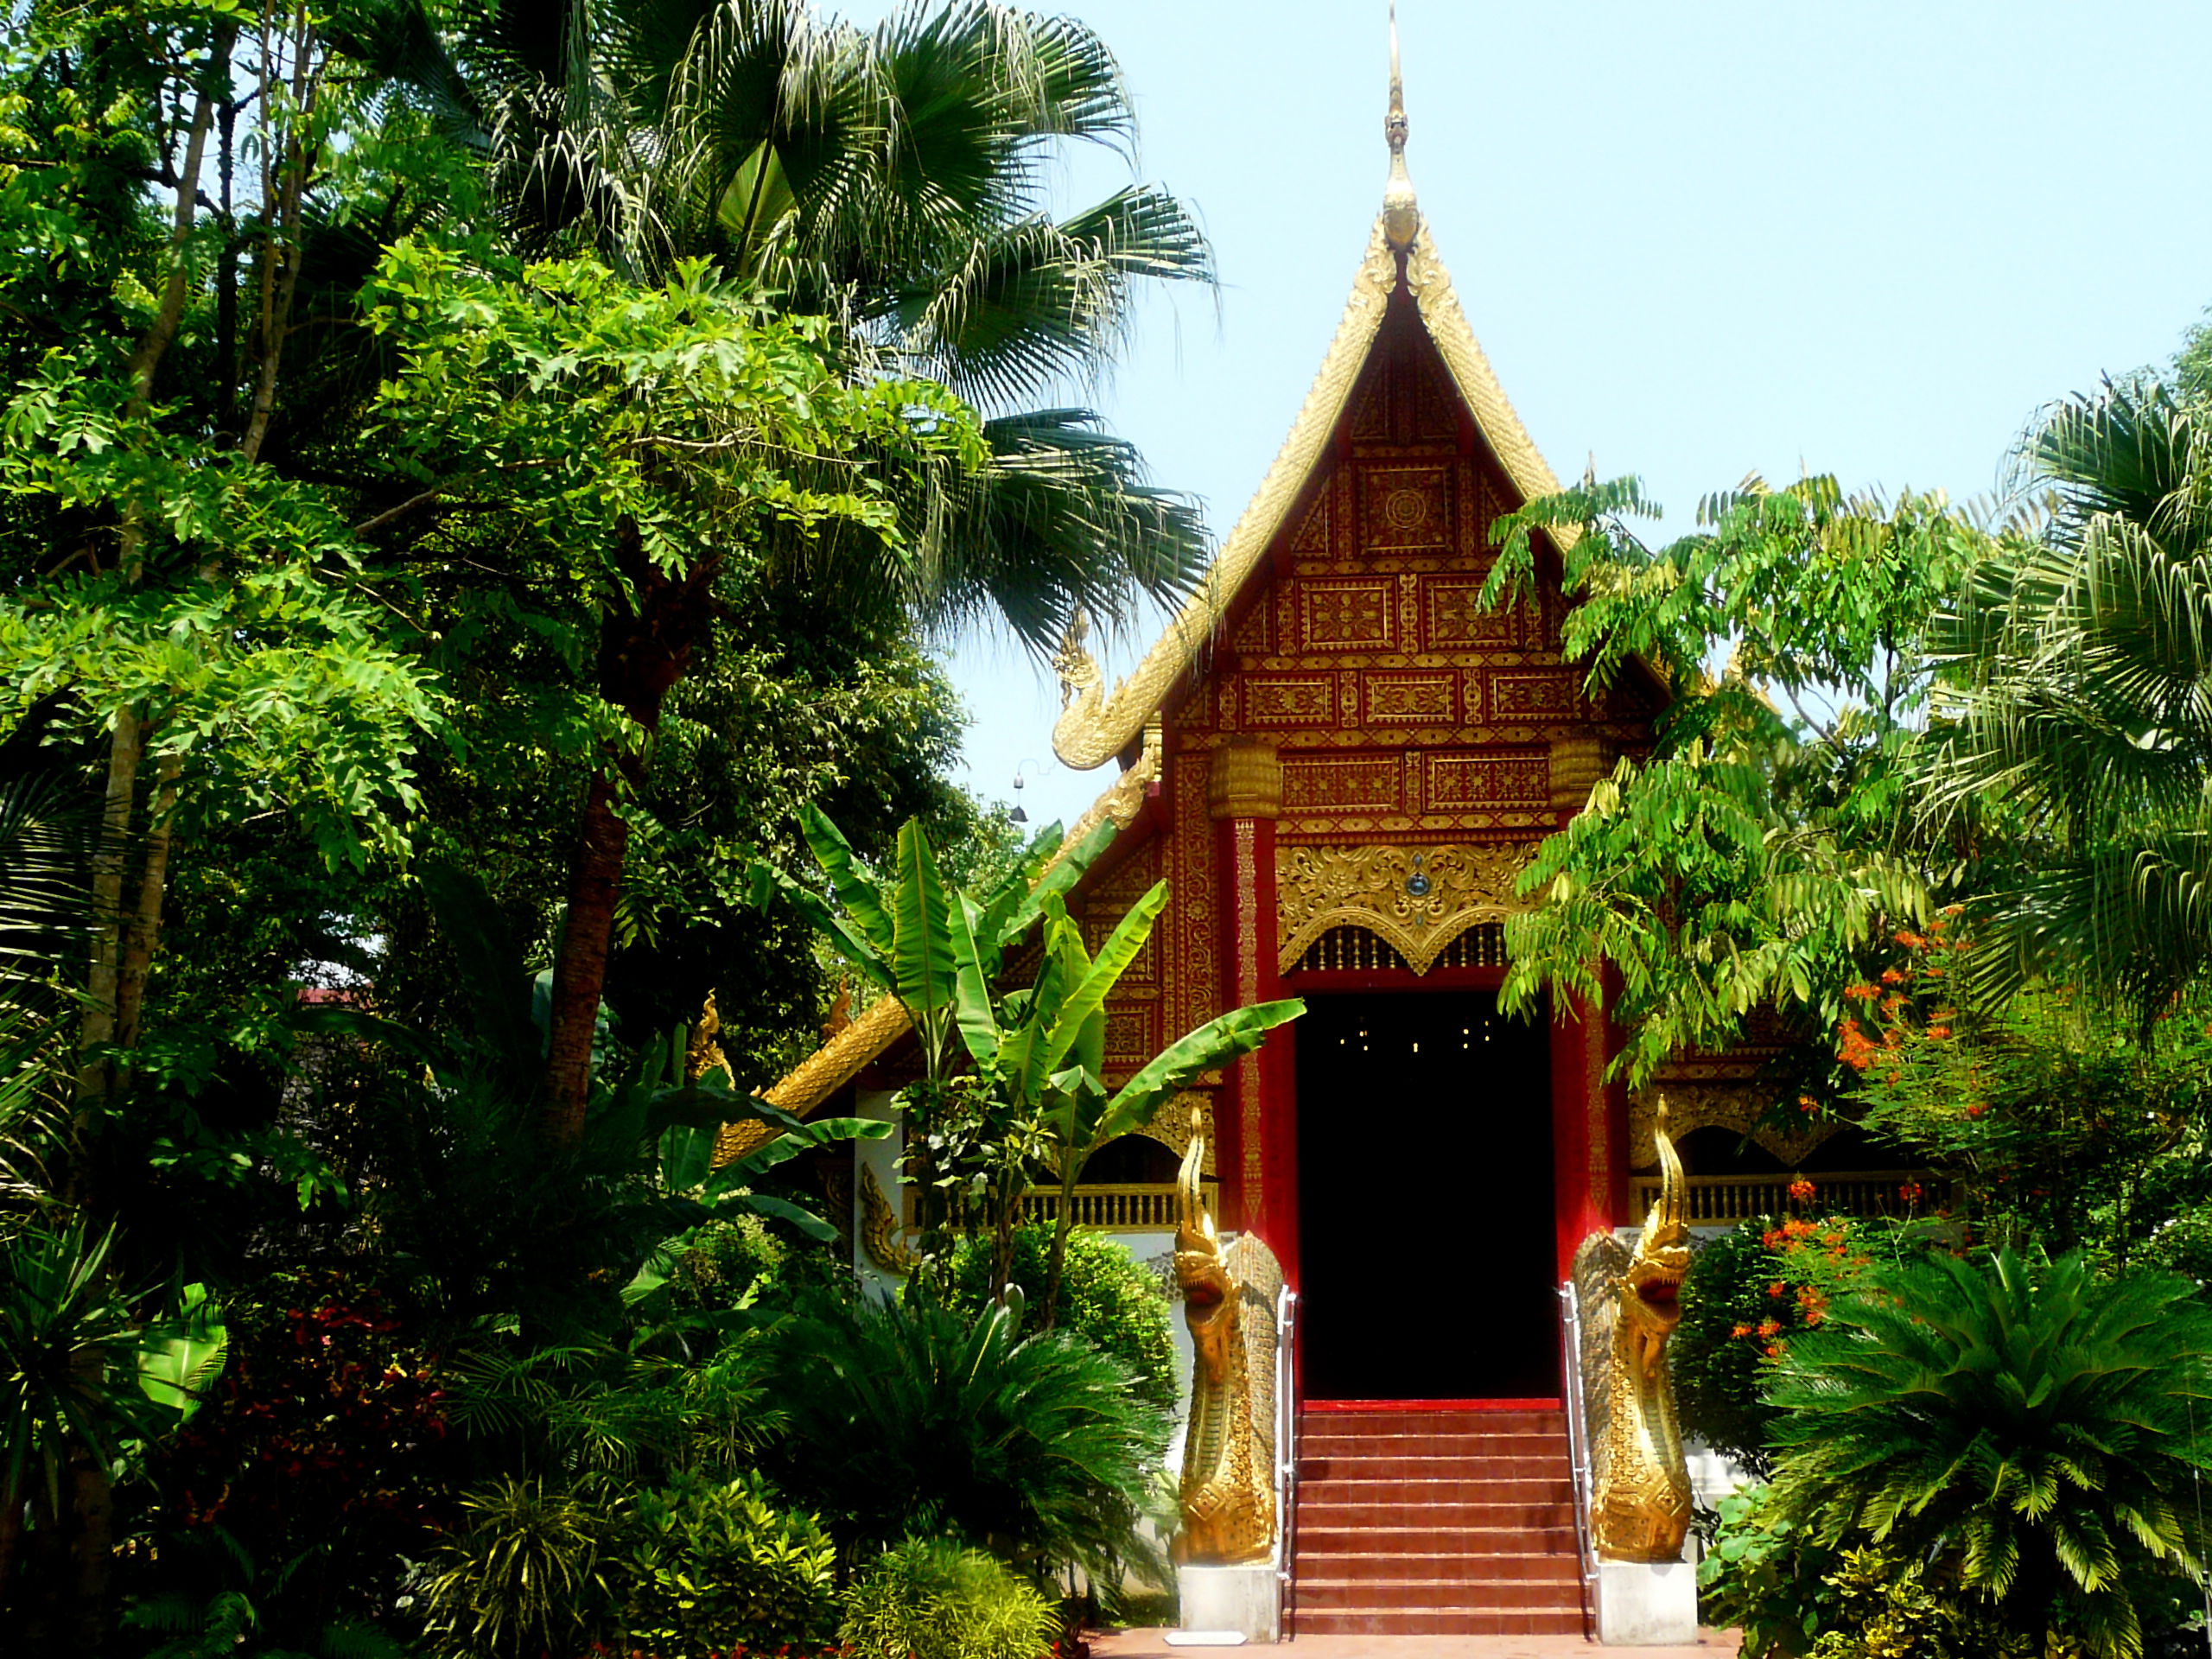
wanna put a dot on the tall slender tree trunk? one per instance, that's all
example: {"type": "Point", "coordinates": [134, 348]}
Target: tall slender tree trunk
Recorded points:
{"type": "Point", "coordinates": [644, 647]}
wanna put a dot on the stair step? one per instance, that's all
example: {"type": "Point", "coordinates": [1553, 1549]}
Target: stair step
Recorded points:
{"type": "Point", "coordinates": [1391, 1536]}
{"type": "Point", "coordinates": [1387, 1467]}
{"type": "Point", "coordinates": [1427, 1595]}
{"type": "Point", "coordinates": [1432, 1445]}
{"type": "Point", "coordinates": [1475, 1571]}
{"type": "Point", "coordinates": [1438, 1621]}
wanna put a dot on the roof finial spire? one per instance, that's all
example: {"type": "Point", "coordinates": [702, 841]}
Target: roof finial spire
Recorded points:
{"type": "Point", "coordinates": [1400, 216]}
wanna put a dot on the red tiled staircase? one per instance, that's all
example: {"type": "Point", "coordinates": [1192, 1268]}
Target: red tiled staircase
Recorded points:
{"type": "Point", "coordinates": [1436, 1523]}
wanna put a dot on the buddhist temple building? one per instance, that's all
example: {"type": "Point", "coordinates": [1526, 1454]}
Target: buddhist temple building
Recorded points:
{"type": "Point", "coordinates": [1340, 760]}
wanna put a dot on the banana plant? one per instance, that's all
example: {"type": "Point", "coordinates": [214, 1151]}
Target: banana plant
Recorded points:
{"type": "Point", "coordinates": [1055, 1052]}
{"type": "Point", "coordinates": [1038, 1054]}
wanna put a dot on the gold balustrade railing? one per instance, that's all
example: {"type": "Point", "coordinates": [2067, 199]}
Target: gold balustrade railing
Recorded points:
{"type": "Point", "coordinates": [1116, 1207]}
{"type": "Point", "coordinates": [1858, 1192]}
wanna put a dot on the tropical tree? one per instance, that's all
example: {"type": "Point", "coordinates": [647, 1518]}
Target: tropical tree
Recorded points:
{"type": "Point", "coordinates": [1035, 1055]}
{"type": "Point", "coordinates": [2074, 655]}
{"type": "Point", "coordinates": [896, 183]}
{"type": "Point", "coordinates": [1748, 861]}
{"type": "Point", "coordinates": [2039, 1432]}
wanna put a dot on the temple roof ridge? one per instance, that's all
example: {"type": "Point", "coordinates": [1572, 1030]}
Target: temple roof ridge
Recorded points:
{"type": "Point", "coordinates": [1095, 725]}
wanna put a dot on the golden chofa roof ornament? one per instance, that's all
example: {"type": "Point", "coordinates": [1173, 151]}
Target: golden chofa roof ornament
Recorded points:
{"type": "Point", "coordinates": [1401, 214]}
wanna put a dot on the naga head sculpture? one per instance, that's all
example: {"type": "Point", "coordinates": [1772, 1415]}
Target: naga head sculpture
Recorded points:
{"type": "Point", "coordinates": [1078, 669]}
{"type": "Point", "coordinates": [1651, 1291]}
{"type": "Point", "coordinates": [1208, 1291]}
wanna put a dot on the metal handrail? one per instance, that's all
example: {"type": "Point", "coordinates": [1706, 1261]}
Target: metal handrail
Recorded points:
{"type": "Point", "coordinates": [1286, 1416]}
{"type": "Point", "coordinates": [1578, 1442]}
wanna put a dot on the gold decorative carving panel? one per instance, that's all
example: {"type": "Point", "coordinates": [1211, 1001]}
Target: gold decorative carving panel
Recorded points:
{"type": "Point", "coordinates": [1417, 898]}
{"type": "Point", "coordinates": [1694, 1106]}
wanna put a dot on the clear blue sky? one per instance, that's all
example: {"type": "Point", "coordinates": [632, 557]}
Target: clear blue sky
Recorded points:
{"type": "Point", "coordinates": [1697, 240]}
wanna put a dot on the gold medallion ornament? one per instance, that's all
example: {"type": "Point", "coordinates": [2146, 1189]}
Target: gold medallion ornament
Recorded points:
{"type": "Point", "coordinates": [1631, 1303]}
{"type": "Point", "coordinates": [1228, 1494]}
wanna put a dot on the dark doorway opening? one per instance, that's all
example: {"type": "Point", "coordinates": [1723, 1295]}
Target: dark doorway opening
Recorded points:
{"type": "Point", "coordinates": [1425, 1199]}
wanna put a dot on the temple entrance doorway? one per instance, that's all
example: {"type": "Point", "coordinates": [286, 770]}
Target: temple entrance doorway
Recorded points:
{"type": "Point", "coordinates": [1425, 1199]}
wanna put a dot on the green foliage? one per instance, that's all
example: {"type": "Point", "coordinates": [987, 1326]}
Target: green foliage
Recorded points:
{"type": "Point", "coordinates": [2074, 653]}
{"type": "Point", "coordinates": [2066, 1127]}
{"type": "Point", "coordinates": [1750, 1293]}
{"type": "Point", "coordinates": [525, 1575]}
{"type": "Point", "coordinates": [1108, 1298]}
{"type": "Point", "coordinates": [703, 1565]}
{"type": "Point", "coordinates": [930, 1598]}
{"type": "Point", "coordinates": [906, 1417]}
{"type": "Point", "coordinates": [1761, 1573]}
{"type": "Point", "coordinates": [783, 146]}
{"type": "Point", "coordinates": [2037, 1436]}
{"type": "Point", "coordinates": [69, 1349]}
{"type": "Point", "coordinates": [1749, 861]}
{"type": "Point", "coordinates": [1036, 1090]}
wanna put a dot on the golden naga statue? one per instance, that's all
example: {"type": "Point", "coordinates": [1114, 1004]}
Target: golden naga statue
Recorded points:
{"type": "Point", "coordinates": [1229, 1301]}
{"type": "Point", "coordinates": [1630, 1305]}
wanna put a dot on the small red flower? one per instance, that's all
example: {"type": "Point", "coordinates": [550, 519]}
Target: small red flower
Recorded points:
{"type": "Point", "coordinates": [1912, 1193]}
{"type": "Point", "coordinates": [1802, 1190]}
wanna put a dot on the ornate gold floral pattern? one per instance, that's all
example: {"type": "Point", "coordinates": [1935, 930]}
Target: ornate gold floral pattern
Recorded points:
{"type": "Point", "coordinates": [1418, 908]}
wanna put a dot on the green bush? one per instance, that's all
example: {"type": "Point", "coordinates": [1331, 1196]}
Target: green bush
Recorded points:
{"type": "Point", "coordinates": [1748, 1294]}
{"type": "Point", "coordinates": [1107, 1297]}
{"type": "Point", "coordinates": [905, 1418]}
{"type": "Point", "coordinates": [2038, 1437]}
{"type": "Point", "coordinates": [524, 1576]}
{"type": "Point", "coordinates": [928, 1598]}
{"type": "Point", "coordinates": [708, 1564]}
{"type": "Point", "coordinates": [1793, 1597]}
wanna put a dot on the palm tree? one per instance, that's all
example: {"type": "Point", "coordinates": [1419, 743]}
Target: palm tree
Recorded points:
{"type": "Point", "coordinates": [2075, 661]}
{"type": "Point", "coordinates": [894, 181]}
{"type": "Point", "coordinates": [2041, 1435]}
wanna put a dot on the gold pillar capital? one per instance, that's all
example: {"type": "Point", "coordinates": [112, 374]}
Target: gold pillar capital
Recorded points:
{"type": "Point", "coordinates": [1244, 780]}
{"type": "Point", "coordinates": [1579, 761]}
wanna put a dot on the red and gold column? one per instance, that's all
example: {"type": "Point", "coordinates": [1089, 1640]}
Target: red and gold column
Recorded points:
{"type": "Point", "coordinates": [1589, 1118]}
{"type": "Point", "coordinates": [1244, 796]}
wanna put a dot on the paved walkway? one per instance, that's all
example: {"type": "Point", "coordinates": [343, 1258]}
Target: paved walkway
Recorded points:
{"type": "Point", "coordinates": [1149, 1644]}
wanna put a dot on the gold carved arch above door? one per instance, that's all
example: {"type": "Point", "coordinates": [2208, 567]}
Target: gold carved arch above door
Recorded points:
{"type": "Point", "coordinates": [1417, 899]}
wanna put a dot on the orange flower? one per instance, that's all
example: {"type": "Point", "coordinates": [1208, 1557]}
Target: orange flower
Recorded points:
{"type": "Point", "coordinates": [1769, 1327]}
{"type": "Point", "coordinates": [1741, 1331]}
{"type": "Point", "coordinates": [1975, 1109]}
{"type": "Point", "coordinates": [1910, 941]}
{"type": "Point", "coordinates": [1939, 1032]}
{"type": "Point", "coordinates": [1774, 1351]}
{"type": "Point", "coordinates": [1912, 1193]}
{"type": "Point", "coordinates": [1892, 976]}
{"type": "Point", "coordinates": [1778, 1290]}
{"type": "Point", "coordinates": [1862, 992]}
{"type": "Point", "coordinates": [1801, 1190]}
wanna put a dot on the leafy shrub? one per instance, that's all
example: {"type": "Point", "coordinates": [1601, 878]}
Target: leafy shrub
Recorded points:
{"type": "Point", "coordinates": [1107, 1297]}
{"type": "Point", "coordinates": [930, 1598]}
{"type": "Point", "coordinates": [1748, 1293]}
{"type": "Point", "coordinates": [1794, 1598]}
{"type": "Point", "coordinates": [2035, 1437]}
{"type": "Point", "coordinates": [524, 1576]}
{"type": "Point", "coordinates": [705, 1565]}
{"type": "Point", "coordinates": [913, 1419]}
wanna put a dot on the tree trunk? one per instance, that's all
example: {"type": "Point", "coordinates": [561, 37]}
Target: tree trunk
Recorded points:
{"type": "Point", "coordinates": [92, 1549]}
{"type": "Point", "coordinates": [143, 928]}
{"type": "Point", "coordinates": [643, 649]}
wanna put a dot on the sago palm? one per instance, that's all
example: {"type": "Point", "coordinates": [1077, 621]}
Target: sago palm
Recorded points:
{"type": "Point", "coordinates": [895, 180]}
{"type": "Point", "coordinates": [2040, 1434]}
{"type": "Point", "coordinates": [2077, 660]}
{"type": "Point", "coordinates": [910, 1419]}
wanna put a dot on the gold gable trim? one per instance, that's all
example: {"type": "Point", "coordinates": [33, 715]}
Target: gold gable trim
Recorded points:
{"type": "Point", "coordinates": [1095, 725]}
